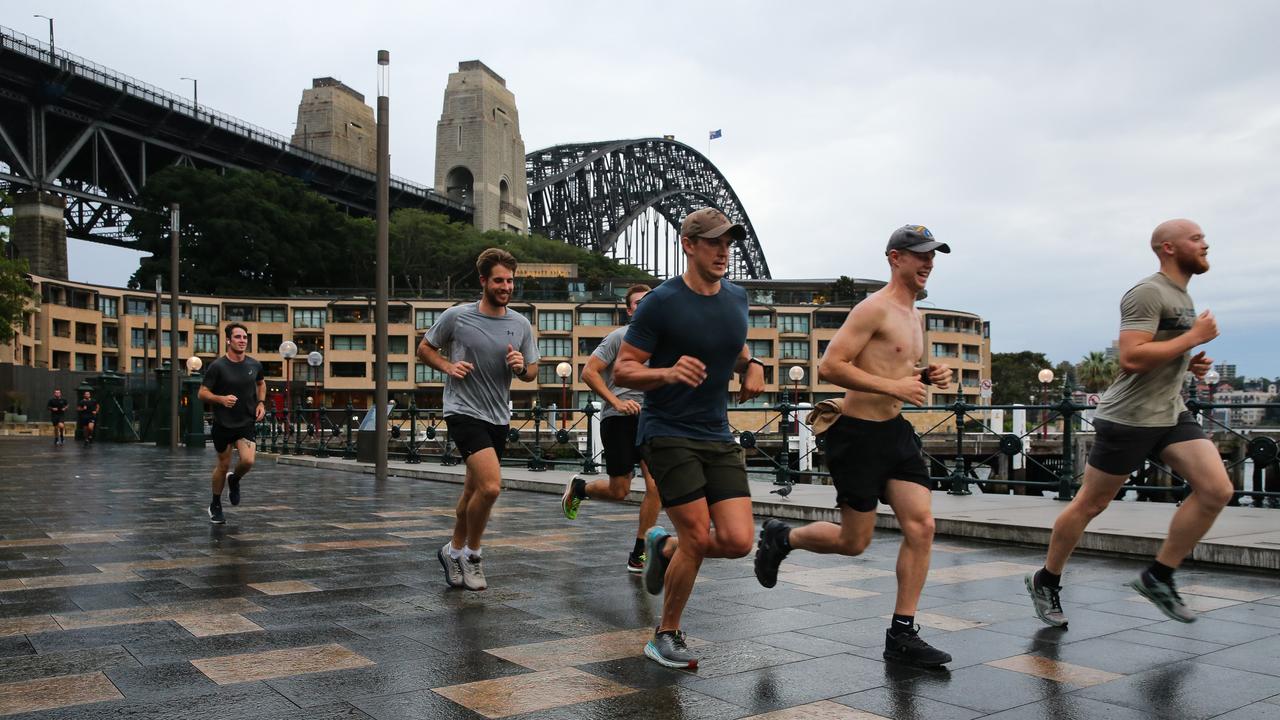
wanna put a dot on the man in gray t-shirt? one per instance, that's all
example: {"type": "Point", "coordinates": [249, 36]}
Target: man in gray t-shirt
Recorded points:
{"type": "Point", "coordinates": [487, 344]}
{"type": "Point", "coordinates": [1142, 416]}
{"type": "Point", "coordinates": [619, 422]}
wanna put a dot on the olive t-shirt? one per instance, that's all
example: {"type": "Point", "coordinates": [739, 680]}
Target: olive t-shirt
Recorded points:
{"type": "Point", "coordinates": [1153, 398]}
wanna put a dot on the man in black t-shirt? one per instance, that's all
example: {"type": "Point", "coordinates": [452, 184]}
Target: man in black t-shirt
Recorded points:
{"type": "Point", "coordinates": [87, 411]}
{"type": "Point", "coordinates": [57, 409]}
{"type": "Point", "coordinates": [236, 390]}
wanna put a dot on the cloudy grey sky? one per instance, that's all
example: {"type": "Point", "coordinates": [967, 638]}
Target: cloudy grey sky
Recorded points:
{"type": "Point", "coordinates": [1042, 140]}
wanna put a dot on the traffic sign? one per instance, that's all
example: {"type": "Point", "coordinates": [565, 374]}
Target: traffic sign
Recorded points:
{"type": "Point", "coordinates": [985, 385]}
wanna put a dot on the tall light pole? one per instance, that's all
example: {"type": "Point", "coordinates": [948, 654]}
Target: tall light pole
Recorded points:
{"type": "Point", "coordinates": [563, 371]}
{"type": "Point", "coordinates": [796, 374]}
{"type": "Point", "coordinates": [1211, 379]}
{"type": "Point", "coordinates": [175, 382]}
{"type": "Point", "coordinates": [288, 350]}
{"type": "Point", "coordinates": [383, 257]}
{"type": "Point", "coordinates": [1045, 377]}
{"type": "Point", "coordinates": [195, 91]}
{"type": "Point", "coordinates": [51, 47]}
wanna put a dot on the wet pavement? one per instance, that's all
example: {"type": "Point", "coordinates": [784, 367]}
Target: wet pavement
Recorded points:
{"type": "Point", "coordinates": [321, 598]}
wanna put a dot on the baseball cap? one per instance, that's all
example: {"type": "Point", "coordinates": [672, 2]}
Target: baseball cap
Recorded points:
{"type": "Point", "coordinates": [710, 223]}
{"type": "Point", "coordinates": [915, 238]}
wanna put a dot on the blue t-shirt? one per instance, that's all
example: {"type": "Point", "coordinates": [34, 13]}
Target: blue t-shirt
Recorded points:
{"type": "Point", "coordinates": [674, 321]}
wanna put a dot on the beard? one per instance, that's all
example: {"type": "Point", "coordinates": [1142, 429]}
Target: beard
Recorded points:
{"type": "Point", "coordinates": [496, 298]}
{"type": "Point", "coordinates": [1194, 264]}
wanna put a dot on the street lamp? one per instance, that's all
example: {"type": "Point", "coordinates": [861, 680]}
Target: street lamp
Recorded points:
{"type": "Point", "coordinates": [563, 371]}
{"type": "Point", "coordinates": [195, 91]}
{"type": "Point", "coordinates": [1045, 377]}
{"type": "Point", "coordinates": [288, 350]}
{"type": "Point", "coordinates": [46, 17]}
{"type": "Point", "coordinates": [194, 364]}
{"type": "Point", "coordinates": [796, 374]}
{"type": "Point", "coordinates": [1211, 378]}
{"type": "Point", "coordinates": [315, 360]}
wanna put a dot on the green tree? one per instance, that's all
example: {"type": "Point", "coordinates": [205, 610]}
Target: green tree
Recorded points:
{"type": "Point", "coordinates": [1013, 376]}
{"type": "Point", "coordinates": [15, 290]}
{"type": "Point", "coordinates": [1097, 371]}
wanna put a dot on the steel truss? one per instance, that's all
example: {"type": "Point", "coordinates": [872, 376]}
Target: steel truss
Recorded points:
{"type": "Point", "coordinates": [626, 198]}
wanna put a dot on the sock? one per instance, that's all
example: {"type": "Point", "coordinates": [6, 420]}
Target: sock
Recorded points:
{"type": "Point", "coordinates": [217, 499]}
{"type": "Point", "coordinates": [1044, 578]}
{"type": "Point", "coordinates": [580, 488]}
{"type": "Point", "coordinates": [454, 553]}
{"type": "Point", "coordinates": [638, 549]}
{"type": "Point", "coordinates": [232, 476]}
{"type": "Point", "coordinates": [902, 624]}
{"type": "Point", "coordinates": [1160, 572]}
{"type": "Point", "coordinates": [471, 554]}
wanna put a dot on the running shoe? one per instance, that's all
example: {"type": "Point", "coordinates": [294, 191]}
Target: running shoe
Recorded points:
{"type": "Point", "coordinates": [635, 563]}
{"type": "Point", "coordinates": [1164, 596]}
{"type": "Point", "coordinates": [909, 649]}
{"type": "Point", "coordinates": [452, 568]}
{"type": "Point", "coordinates": [655, 565]}
{"type": "Point", "coordinates": [215, 514]}
{"type": "Point", "coordinates": [233, 488]}
{"type": "Point", "coordinates": [472, 574]}
{"type": "Point", "coordinates": [669, 650]}
{"type": "Point", "coordinates": [770, 551]}
{"type": "Point", "coordinates": [571, 499]}
{"type": "Point", "coordinates": [1045, 598]}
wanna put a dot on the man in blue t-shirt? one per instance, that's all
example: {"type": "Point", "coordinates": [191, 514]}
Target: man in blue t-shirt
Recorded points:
{"type": "Point", "coordinates": [692, 331]}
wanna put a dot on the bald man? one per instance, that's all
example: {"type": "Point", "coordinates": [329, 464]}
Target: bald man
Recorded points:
{"type": "Point", "coordinates": [1142, 415]}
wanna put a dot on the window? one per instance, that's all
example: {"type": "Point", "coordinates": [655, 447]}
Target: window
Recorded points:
{"type": "Point", "coordinates": [184, 309]}
{"type": "Point", "coordinates": [137, 306]}
{"type": "Point", "coordinates": [110, 336]}
{"type": "Point", "coordinates": [397, 371]}
{"type": "Point", "coordinates": [269, 343]}
{"type": "Point", "coordinates": [182, 338]}
{"type": "Point", "coordinates": [526, 312]}
{"type": "Point", "coordinates": [945, 350]}
{"type": "Point", "coordinates": [424, 373]}
{"type": "Point", "coordinates": [62, 328]}
{"type": "Point", "coordinates": [348, 369]}
{"type": "Point", "coordinates": [140, 338]}
{"type": "Point", "coordinates": [240, 313]}
{"type": "Point", "coordinates": [424, 319]}
{"type": "Point", "coordinates": [86, 362]}
{"type": "Point", "coordinates": [205, 314]}
{"type": "Point", "coordinates": [86, 333]}
{"type": "Point", "coordinates": [348, 342]}
{"type": "Point", "coordinates": [110, 363]}
{"type": "Point", "coordinates": [137, 366]}
{"type": "Point", "coordinates": [555, 320]}
{"type": "Point", "coordinates": [760, 320]}
{"type": "Point", "coordinates": [596, 317]}
{"type": "Point", "coordinates": [971, 353]}
{"type": "Point", "coordinates": [554, 347]}
{"type": "Point", "coordinates": [586, 346]}
{"type": "Point", "coordinates": [793, 349]}
{"type": "Point", "coordinates": [108, 306]}
{"type": "Point", "coordinates": [828, 320]}
{"type": "Point", "coordinates": [398, 345]}
{"type": "Point", "coordinates": [207, 343]}
{"type": "Point", "coordinates": [761, 400]}
{"type": "Point", "coordinates": [547, 374]}
{"type": "Point", "coordinates": [272, 313]}
{"type": "Point", "coordinates": [822, 347]}
{"type": "Point", "coordinates": [760, 348]}
{"type": "Point", "coordinates": [308, 317]}
{"type": "Point", "coordinates": [273, 368]}
{"type": "Point", "coordinates": [398, 314]}
{"type": "Point", "coordinates": [793, 323]}
{"type": "Point", "coordinates": [303, 372]}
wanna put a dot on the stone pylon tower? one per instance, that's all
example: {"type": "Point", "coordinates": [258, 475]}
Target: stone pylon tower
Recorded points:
{"type": "Point", "coordinates": [479, 152]}
{"type": "Point", "coordinates": [334, 121]}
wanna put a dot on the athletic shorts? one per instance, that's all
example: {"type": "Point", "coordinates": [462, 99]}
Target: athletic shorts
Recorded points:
{"type": "Point", "coordinates": [686, 470]}
{"type": "Point", "coordinates": [55, 418]}
{"type": "Point", "coordinates": [225, 437]}
{"type": "Point", "coordinates": [618, 433]}
{"type": "Point", "coordinates": [472, 435]}
{"type": "Point", "coordinates": [86, 419]}
{"type": "Point", "coordinates": [864, 455]}
{"type": "Point", "coordinates": [1120, 449]}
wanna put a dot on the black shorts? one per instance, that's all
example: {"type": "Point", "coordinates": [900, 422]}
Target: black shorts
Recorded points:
{"type": "Point", "coordinates": [685, 470]}
{"type": "Point", "coordinates": [56, 418]}
{"type": "Point", "coordinates": [225, 437]}
{"type": "Point", "coordinates": [86, 419]}
{"type": "Point", "coordinates": [1120, 449]}
{"type": "Point", "coordinates": [864, 455]}
{"type": "Point", "coordinates": [618, 434]}
{"type": "Point", "coordinates": [472, 435]}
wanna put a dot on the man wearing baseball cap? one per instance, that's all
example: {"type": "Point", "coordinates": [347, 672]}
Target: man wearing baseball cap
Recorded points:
{"type": "Point", "coordinates": [872, 451]}
{"type": "Point", "coordinates": [683, 346]}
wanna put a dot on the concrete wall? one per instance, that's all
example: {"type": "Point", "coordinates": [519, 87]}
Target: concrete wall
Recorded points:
{"type": "Point", "coordinates": [40, 233]}
{"type": "Point", "coordinates": [333, 120]}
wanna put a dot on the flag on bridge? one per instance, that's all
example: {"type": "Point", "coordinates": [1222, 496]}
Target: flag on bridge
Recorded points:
{"type": "Point", "coordinates": [714, 134]}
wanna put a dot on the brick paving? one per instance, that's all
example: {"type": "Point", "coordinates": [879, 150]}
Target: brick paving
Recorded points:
{"type": "Point", "coordinates": [321, 598]}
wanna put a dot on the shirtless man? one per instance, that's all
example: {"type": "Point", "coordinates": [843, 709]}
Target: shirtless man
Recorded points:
{"type": "Point", "coordinates": [1142, 415]}
{"type": "Point", "coordinates": [872, 450]}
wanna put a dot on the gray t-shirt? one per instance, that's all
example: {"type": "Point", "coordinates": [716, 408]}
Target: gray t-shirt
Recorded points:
{"type": "Point", "coordinates": [607, 352]}
{"type": "Point", "coordinates": [465, 333]}
{"type": "Point", "coordinates": [1151, 399]}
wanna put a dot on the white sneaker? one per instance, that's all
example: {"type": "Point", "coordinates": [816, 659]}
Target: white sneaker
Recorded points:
{"type": "Point", "coordinates": [452, 567]}
{"type": "Point", "coordinates": [472, 574]}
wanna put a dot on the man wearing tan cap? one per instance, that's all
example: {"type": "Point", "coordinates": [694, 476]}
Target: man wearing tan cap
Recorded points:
{"type": "Point", "coordinates": [692, 332]}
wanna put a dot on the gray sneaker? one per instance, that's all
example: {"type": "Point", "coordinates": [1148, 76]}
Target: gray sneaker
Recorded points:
{"type": "Point", "coordinates": [452, 568]}
{"type": "Point", "coordinates": [668, 649]}
{"type": "Point", "coordinates": [1045, 599]}
{"type": "Point", "coordinates": [655, 565]}
{"type": "Point", "coordinates": [1164, 596]}
{"type": "Point", "coordinates": [472, 574]}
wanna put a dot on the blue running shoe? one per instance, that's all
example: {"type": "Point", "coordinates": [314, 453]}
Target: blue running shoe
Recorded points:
{"type": "Point", "coordinates": [655, 565]}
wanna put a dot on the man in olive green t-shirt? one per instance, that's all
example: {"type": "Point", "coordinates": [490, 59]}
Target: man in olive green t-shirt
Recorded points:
{"type": "Point", "coordinates": [1142, 415]}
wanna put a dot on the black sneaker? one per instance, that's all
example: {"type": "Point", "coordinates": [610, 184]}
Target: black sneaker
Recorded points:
{"type": "Point", "coordinates": [233, 488]}
{"type": "Point", "coordinates": [215, 514]}
{"type": "Point", "coordinates": [909, 649]}
{"type": "Point", "coordinates": [1164, 595]}
{"type": "Point", "coordinates": [770, 551]}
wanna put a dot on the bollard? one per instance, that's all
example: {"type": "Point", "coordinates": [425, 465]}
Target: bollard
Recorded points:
{"type": "Point", "coordinates": [959, 471]}
{"type": "Point", "coordinates": [782, 473]}
{"type": "Point", "coordinates": [297, 428]}
{"type": "Point", "coordinates": [1068, 409]}
{"type": "Point", "coordinates": [412, 456]}
{"type": "Point", "coordinates": [536, 461]}
{"type": "Point", "coordinates": [593, 429]}
{"type": "Point", "coordinates": [322, 442]}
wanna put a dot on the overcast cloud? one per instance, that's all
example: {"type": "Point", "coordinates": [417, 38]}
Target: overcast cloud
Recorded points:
{"type": "Point", "coordinates": [1042, 140]}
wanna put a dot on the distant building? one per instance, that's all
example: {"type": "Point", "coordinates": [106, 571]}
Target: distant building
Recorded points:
{"type": "Point", "coordinates": [1226, 370]}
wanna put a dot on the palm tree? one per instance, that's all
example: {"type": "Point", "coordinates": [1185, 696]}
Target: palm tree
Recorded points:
{"type": "Point", "coordinates": [1096, 371]}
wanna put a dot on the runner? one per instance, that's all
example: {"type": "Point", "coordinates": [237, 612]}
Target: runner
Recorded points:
{"type": "Point", "coordinates": [87, 416]}
{"type": "Point", "coordinates": [235, 388]}
{"type": "Point", "coordinates": [57, 408]}
{"type": "Point", "coordinates": [618, 424]}
{"type": "Point", "coordinates": [692, 332]}
{"type": "Point", "coordinates": [486, 345]}
{"type": "Point", "coordinates": [872, 451]}
{"type": "Point", "coordinates": [1142, 416]}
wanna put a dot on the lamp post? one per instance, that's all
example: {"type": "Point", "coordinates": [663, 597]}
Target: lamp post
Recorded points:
{"type": "Point", "coordinates": [46, 17]}
{"type": "Point", "coordinates": [315, 360]}
{"type": "Point", "coordinates": [1211, 378]}
{"type": "Point", "coordinates": [1045, 377]}
{"type": "Point", "coordinates": [796, 374]}
{"type": "Point", "coordinates": [382, 265]}
{"type": "Point", "coordinates": [563, 371]}
{"type": "Point", "coordinates": [195, 91]}
{"type": "Point", "coordinates": [288, 351]}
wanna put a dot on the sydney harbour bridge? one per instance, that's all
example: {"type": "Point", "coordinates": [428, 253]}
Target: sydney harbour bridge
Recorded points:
{"type": "Point", "coordinates": [92, 136]}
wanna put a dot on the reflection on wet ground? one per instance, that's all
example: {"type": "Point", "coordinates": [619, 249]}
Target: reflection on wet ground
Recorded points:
{"type": "Point", "coordinates": [322, 598]}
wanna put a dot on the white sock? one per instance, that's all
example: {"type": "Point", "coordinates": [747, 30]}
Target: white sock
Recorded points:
{"type": "Point", "coordinates": [454, 553]}
{"type": "Point", "coordinates": [471, 554]}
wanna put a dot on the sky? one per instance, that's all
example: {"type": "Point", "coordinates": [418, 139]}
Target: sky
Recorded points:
{"type": "Point", "coordinates": [1043, 141]}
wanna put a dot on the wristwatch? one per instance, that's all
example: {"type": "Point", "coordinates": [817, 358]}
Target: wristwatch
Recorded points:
{"type": "Point", "coordinates": [755, 360]}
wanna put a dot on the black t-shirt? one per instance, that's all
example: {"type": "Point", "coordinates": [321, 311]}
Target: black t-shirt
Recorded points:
{"type": "Point", "coordinates": [57, 406]}
{"type": "Point", "coordinates": [87, 408]}
{"type": "Point", "coordinates": [241, 379]}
